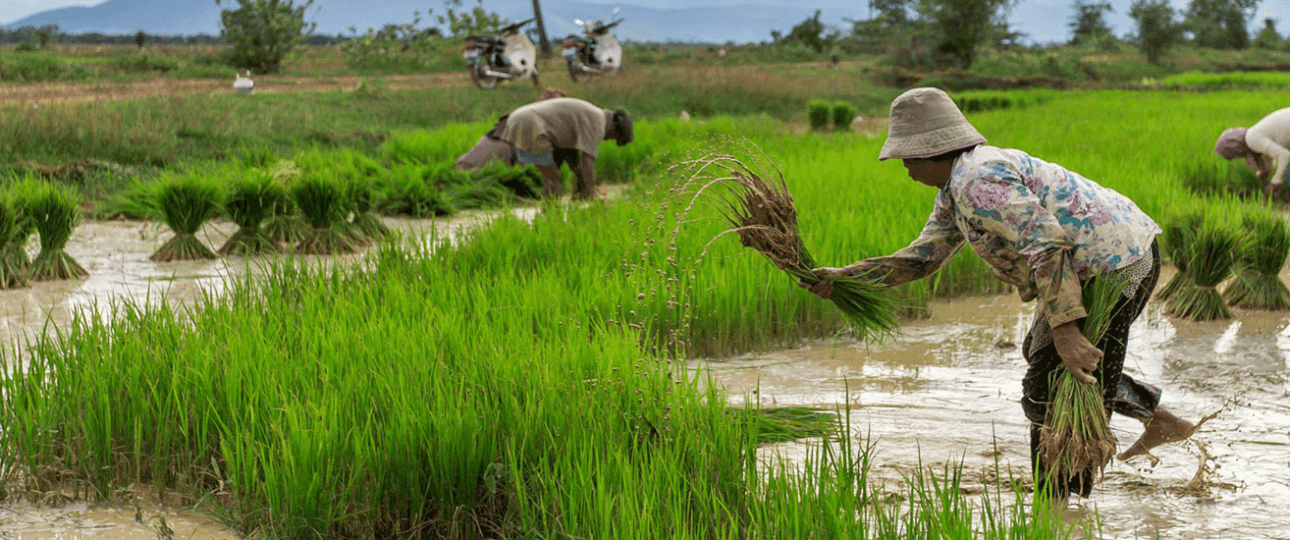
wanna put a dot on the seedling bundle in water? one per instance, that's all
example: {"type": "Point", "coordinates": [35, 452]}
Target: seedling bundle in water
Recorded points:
{"type": "Point", "coordinates": [366, 223]}
{"type": "Point", "coordinates": [1076, 435]}
{"type": "Point", "coordinates": [1260, 256]}
{"type": "Point", "coordinates": [764, 218]}
{"type": "Point", "coordinates": [1179, 234]}
{"type": "Point", "coordinates": [11, 274]}
{"type": "Point", "coordinates": [284, 225]}
{"type": "Point", "coordinates": [321, 200]}
{"type": "Point", "coordinates": [53, 213]}
{"type": "Point", "coordinates": [1207, 256]}
{"type": "Point", "coordinates": [185, 205]}
{"type": "Point", "coordinates": [248, 204]}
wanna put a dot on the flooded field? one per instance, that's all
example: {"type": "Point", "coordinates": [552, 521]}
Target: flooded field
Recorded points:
{"type": "Point", "coordinates": [946, 390]}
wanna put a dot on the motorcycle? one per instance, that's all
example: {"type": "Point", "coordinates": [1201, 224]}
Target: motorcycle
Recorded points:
{"type": "Point", "coordinates": [596, 52]}
{"type": "Point", "coordinates": [509, 56]}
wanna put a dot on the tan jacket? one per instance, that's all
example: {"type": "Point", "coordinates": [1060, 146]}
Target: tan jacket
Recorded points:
{"type": "Point", "coordinates": [540, 127]}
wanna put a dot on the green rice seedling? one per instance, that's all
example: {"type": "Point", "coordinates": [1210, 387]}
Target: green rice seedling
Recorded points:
{"type": "Point", "coordinates": [764, 219]}
{"type": "Point", "coordinates": [322, 202]}
{"type": "Point", "coordinates": [249, 202]}
{"type": "Point", "coordinates": [1076, 436]}
{"type": "Point", "coordinates": [818, 112]}
{"type": "Point", "coordinates": [1221, 178]}
{"type": "Point", "coordinates": [365, 221]}
{"type": "Point", "coordinates": [1179, 235]}
{"type": "Point", "coordinates": [843, 113]}
{"type": "Point", "coordinates": [410, 190]}
{"type": "Point", "coordinates": [284, 225]}
{"type": "Point", "coordinates": [54, 214]}
{"type": "Point", "coordinates": [13, 252]}
{"type": "Point", "coordinates": [1260, 256]}
{"type": "Point", "coordinates": [1209, 263]}
{"type": "Point", "coordinates": [185, 204]}
{"type": "Point", "coordinates": [12, 274]}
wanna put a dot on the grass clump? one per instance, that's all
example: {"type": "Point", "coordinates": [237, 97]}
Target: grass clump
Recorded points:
{"type": "Point", "coordinates": [1208, 256]}
{"type": "Point", "coordinates": [764, 218]}
{"type": "Point", "coordinates": [818, 112]}
{"type": "Point", "coordinates": [1260, 257]}
{"type": "Point", "coordinates": [1076, 436]}
{"type": "Point", "coordinates": [54, 214]}
{"type": "Point", "coordinates": [185, 205]}
{"type": "Point", "coordinates": [13, 247]}
{"type": "Point", "coordinates": [322, 202]}
{"type": "Point", "coordinates": [12, 274]}
{"type": "Point", "coordinates": [1178, 234]}
{"type": "Point", "coordinates": [248, 204]}
{"type": "Point", "coordinates": [285, 224]}
{"type": "Point", "coordinates": [843, 113]}
{"type": "Point", "coordinates": [365, 222]}
{"type": "Point", "coordinates": [1216, 179]}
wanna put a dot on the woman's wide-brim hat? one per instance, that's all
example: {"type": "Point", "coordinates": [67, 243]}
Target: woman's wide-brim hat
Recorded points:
{"type": "Point", "coordinates": [925, 122]}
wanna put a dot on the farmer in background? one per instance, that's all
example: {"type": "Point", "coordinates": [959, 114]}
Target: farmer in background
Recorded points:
{"type": "Point", "coordinates": [1044, 230]}
{"type": "Point", "coordinates": [571, 126]}
{"type": "Point", "coordinates": [491, 147]}
{"type": "Point", "coordinates": [1261, 145]}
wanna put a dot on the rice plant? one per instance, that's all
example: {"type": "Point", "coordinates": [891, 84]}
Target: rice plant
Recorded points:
{"type": "Point", "coordinates": [843, 113]}
{"type": "Point", "coordinates": [185, 205]}
{"type": "Point", "coordinates": [322, 202]}
{"type": "Point", "coordinates": [818, 112]}
{"type": "Point", "coordinates": [1076, 436]}
{"type": "Point", "coordinates": [1179, 234]}
{"type": "Point", "coordinates": [365, 221]}
{"type": "Point", "coordinates": [1260, 256]}
{"type": "Point", "coordinates": [248, 204]}
{"type": "Point", "coordinates": [13, 251]}
{"type": "Point", "coordinates": [765, 220]}
{"type": "Point", "coordinates": [1209, 262]}
{"type": "Point", "coordinates": [12, 274]}
{"type": "Point", "coordinates": [54, 214]}
{"type": "Point", "coordinates": [284, 224]}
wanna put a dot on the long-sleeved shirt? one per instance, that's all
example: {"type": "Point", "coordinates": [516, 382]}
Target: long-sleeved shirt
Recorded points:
{"type": "Point", "coordinates": [1039, 227]}
{"type": "Point", "coordinates": [1270, 138]}
{"type": "Point", "coordinates": [542, 126]}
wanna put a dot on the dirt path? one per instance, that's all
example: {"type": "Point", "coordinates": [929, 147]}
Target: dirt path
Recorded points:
{"type": "Point", "coordinates": [77, 92]}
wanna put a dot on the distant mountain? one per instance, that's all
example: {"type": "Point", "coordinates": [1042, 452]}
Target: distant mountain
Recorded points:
{"type": "Point", "coordinates": [747, 22]}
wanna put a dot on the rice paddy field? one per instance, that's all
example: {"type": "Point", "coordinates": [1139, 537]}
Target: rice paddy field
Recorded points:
{"type": "Point", "coordinates": [575, 371]}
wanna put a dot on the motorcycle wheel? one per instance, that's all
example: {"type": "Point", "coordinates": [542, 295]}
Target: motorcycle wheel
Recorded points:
{"type": "Point", "coordinates": [573, 71]}
{"type": "Point", "coordinates": [483, 81]}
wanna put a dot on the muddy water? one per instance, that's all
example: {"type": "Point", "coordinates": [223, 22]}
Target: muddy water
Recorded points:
{"type": "Point", "coordinates": [116, 256]}
{"type": "Point", "coordinates": [946, 390]}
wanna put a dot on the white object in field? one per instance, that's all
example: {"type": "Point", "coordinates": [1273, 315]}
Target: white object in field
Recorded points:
{"type": "Point", "coordinates": [243, 83]}
{"type": "Point", "coordinates": [685, 116]}
{"type": "Point", "coordinates": [857, 122]}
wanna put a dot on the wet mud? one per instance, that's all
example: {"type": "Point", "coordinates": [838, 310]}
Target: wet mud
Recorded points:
{"type": "Point", "coordinates": [946, 391]}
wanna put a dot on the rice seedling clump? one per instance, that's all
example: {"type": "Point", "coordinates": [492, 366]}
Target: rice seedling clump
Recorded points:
{"type": "Point", "coordinates": [53, 212]}
{"type": "Point", "coordinates": [365, 222]}
{"type": "Point", "coordinates": [248, 204]}
{"type": "Point", "coordinates": [12, 274]}
{"type": "Point", "coordinates": [1208, 257]}
{"type": "Point", "coordinates": [1264, 246]}
{"type": "Point", "coordinates": [185, 205]}
{"type": "Point", "coordinates": [284, 224]}
{"type": "Point", "coordinates": [764, 218]}
{"type": "Point", "coordinates": [1076, 436]}
{"type": "Point", "coordinates": [1179, 234]}
{"type": "Point", "coordinates": [322, 202]}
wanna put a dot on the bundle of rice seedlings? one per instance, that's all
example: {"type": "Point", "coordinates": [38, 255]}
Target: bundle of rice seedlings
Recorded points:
{"type": "Point", "coordinates": [1180, 235]}
{"type": "Point", "coordinates": [1262, 253]}
{"type": "Point", "coordinates": [765, 220]}
{"type": "Point", "coordinates": [365, 222]}
{"type": "Point", "coordinates": [1076, 436]}
{"type": "Point", "coordinates": [13, 251]}
{"type": "Point", "coordinates": [248, 204]}
{"type": "Point", "coordinates": [284, 225]}
{"type": "Point", "coordinates": [1209, 262]}
{"type": "Point", "coordinates": [52, 211]}
{"type": "Point", "coordinates": [843, 113]}
{"type": "Point", "coordinates": [185, 204]}
{"type": "Point", "coordinates": [12, 274]}
{"type": "Point", "coordinates": [322, 201]}
{"type": "Point", "coordinates": [818, 112]}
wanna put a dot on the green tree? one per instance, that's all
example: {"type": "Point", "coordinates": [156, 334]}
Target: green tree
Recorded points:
{"type": "Point", "coordinates": [262, 33]}
{"type": "Point", "coordinates": [1268, 38]}
{"type": "Point", "coordinates": [465, 22]}
{"type": "Point", "coordinates": [1089, 25]}
{"type": "Point", "coordinates": [889, 24]}
{"type": "Point", "coordinates": [140, 38]}
{"type": "Point", "coordinates": [958, 28]}
{"type": "Point", "coordinates": [809, 32]}
{"type": "Point", "coordinates": [1158, 30]}
{"type": "Point", "coordinates": [1221, 24]}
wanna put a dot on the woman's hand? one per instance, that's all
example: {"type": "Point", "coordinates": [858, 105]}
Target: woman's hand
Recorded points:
{"type": "Point", "coordinates": [1079, 354]}
{"type": "Point", "coordinates": [824, 287]}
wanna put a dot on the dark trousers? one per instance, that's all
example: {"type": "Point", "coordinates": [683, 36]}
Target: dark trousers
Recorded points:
{"type": "Point", "coordinates": [1121, 394]}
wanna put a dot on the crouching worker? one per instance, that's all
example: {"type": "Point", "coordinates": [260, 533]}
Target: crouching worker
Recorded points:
{"type": "Point", "coordinates": [1045, 230]}
{"type": "Point", "coordinates": [567, 128]}
{"type": "Point", "coordinates": [491, 146]}
{"type": "Point", "coordinates": [1264, 145]}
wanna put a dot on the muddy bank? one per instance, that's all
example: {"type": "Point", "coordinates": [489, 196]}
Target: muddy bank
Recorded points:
{"type": "Point", "coordinates": [946, 390]}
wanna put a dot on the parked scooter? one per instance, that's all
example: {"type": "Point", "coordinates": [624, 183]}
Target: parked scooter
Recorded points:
{"type": "Point", "coordinates": [596, 52]}
{"type": "Point", "coordinates": [509, 56]}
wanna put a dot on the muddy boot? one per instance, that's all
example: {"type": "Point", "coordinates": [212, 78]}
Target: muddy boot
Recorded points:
{"type": "Point", "coordinates": [1162, 428]}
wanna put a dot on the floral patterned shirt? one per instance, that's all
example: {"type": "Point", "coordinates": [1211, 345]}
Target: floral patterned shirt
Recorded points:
{"type": "Point", "coordinates": [1037, 225]}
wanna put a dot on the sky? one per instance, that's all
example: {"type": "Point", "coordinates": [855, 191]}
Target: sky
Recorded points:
{"type": "Point", "coordinates": [1043, 21]}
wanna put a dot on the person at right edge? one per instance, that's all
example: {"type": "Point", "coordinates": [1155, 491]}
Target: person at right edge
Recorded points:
{"type": "Point", "coordinates": [1043, 229]}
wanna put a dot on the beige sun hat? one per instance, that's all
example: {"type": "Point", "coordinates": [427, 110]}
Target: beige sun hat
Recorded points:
{"type": "Point", "coordinates": [925, 122]}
